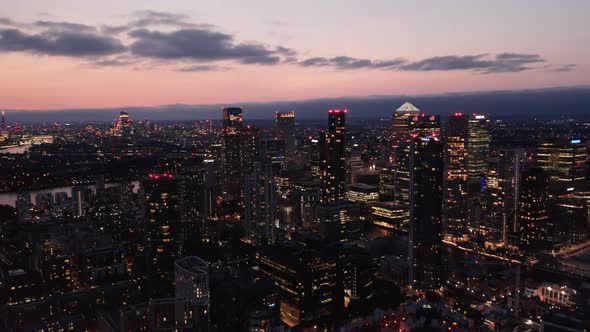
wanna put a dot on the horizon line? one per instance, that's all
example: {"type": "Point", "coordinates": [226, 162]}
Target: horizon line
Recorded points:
{"type": "Point", "coordinates": [423, 95]}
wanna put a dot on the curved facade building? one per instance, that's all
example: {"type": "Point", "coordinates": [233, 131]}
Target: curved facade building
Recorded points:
{"type": "Point", "coordinates": [192, 279]}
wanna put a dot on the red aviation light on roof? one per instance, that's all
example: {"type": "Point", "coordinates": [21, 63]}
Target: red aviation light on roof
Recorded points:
{"type": "Point", "coordinates": [158, 176]}
{"type": "Point", "coordinates": [458, 114]}
{"type": "Point", "coordinates": [338, 111]}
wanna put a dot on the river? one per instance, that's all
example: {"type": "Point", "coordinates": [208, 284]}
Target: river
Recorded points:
{"type": "Point", "coordinates": [29, 142]}
{"type": "Point", "coordinates": [16, 149]}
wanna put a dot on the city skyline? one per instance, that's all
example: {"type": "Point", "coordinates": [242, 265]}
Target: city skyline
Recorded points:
{"type": "Point", "coordinates": [111, 55]}
{"type": "Point", "coordinates": [369, 166]}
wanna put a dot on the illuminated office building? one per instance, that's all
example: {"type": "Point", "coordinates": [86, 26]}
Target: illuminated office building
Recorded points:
{"type": "Point", "coordinates": [426, 201]}
{"type": "Point", "coordinates": [250, 140]}
{"type": "Point", "coordinates": [362, 193]}
{"type": "Point", "coordinates": [455, 195]}
{"type": "Point", "coordinates": [194, 199]}
{"type": "Point", "coordinates": [478, 148]}
{"type": "Point", "coordinates": [232, 153]}
{"type": "Point", "coordinates": [399, 128]}
{"type": "Point", "coordinates": [307, 195]}
{"type": "Point", "coordinates": [417, 126]}
{"type": "Point", "coordinates": [409, 121]}
{"type": "Point", "coordinates": [423, 125]}
{"type": "Point", "coordinates": [568, 222]}
{"type": "Point", "coordinates": [123, 126]}
{"type": "Point", "coordinates": [332, 155]}
{"type": "Point", "coordinates": [274, 149]}
{"type": "Point", "coordinates": [390, 216]}
{"type": "Point", "coordinates": [285, 127]}
{"type": "Point", "coordinates": [359, 278]}
{"type": "Point", "coordinates": [3, 129]}
{"type": "Point", "coordinates": [307, 280]}
{"type": "Point", "coordinates": [500, 199]}
{"type": "Point", "coordinates": [493, 225]}
{"type": "Point", "coordinates": [564, 160]}
{"type": "Point", "coordinates": [467, 147]}
{"type": "Point", "coordinates": [557, 295]}
{"type": "Point", "coordinates": [55, 267]}
{"type": "Point", "coordinates": [386, 183]}
{"type": "Point", "coordinates": [163, 227]}
{"type": "Point", "coordinates": [401, 167]}
{"type": "Point", "coordinates": [510, 177]}
{"type": "Point", "coordinates": [260, 205]}
{"type": "Point", "coordinates": [340, 221]}
{"type": "Point", "coordinates": [22, 287]}
{"type": "Point", "coordinates": [232, 118]}
{"type": "Point", "coordinates": [580, 191]}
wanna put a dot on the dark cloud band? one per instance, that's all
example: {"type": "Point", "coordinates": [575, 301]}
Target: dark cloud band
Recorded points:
{"type": "Point", "coordinates": [66, 43]}
{"type": "Point", "coordinates": [198, 47]}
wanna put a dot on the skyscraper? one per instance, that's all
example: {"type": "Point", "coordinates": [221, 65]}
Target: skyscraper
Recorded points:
{"type": "Point", "coordinates": [192, 279]}
{"type": "Point", "coordinates": [386, 183]}
{"type": "Point", "coordinates": [401, 169]}
{"type": "Point", "coordinates": [333, 157]}
{"type": "Point", "coordinates": [191, 275]}
{"type": "Point", "coordinates": [3, 131]}
{"type": "Point", "coordinates": [163, 228]}
{"type": "Point", "coordinates": [232, 118]}
{"type": "Point", "coordinates": [400, 119]}
{"type": "Point", "coordinates": [232, 153]}
{"type": "Point", "coordinates": [308, 281]}
{"type": "Point", "coordinates": [510, 175]}
{"type": "Point", "coordinates": [455, 213]}
{"type": "Point", "coordinates": [500, 199]}
{"type": "Point", "coordinates": [123, 124]}
{"type": "Point", "coordinates": [285, 127]}
{"type": "Point", "coordinates": [564, 159]}
{"type": "Point", "coordinates": [426, 201]}
{"type": "Point", "coordinates": [193, 205]}
{"type": "Point", "coordinates": [340, 221]}
{"type": "Point", "coordinates": [568, 222]}
{"type": "Point", "coordinates": [24, 206]}
{"type": "Point", "coordinates": [260, 204]}
{"type": "Point", "coordinates": [478, 148]}
{"type": "Point", "coordinates": [533, 209]}
{"type": "Point", "coordinates": [417, 126]}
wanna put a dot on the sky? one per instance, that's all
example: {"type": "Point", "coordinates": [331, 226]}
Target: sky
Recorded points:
{"type": "Point", "coordinates": [63, 54]}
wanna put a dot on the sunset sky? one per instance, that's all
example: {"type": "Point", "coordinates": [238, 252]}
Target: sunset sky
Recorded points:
{"type": "Point", "coordinates": [71, 54]}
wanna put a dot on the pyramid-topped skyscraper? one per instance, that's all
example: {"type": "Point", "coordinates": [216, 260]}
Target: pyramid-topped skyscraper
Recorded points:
{"type": "Point", "coordinates": [408, 107]}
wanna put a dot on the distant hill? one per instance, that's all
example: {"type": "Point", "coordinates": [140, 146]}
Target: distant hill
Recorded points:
{"type": "Point", "coordinates": [541, 103]}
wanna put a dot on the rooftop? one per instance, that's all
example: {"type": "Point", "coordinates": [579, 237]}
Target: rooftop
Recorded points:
{"type": "Point", "coordinates": [408, 107]}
